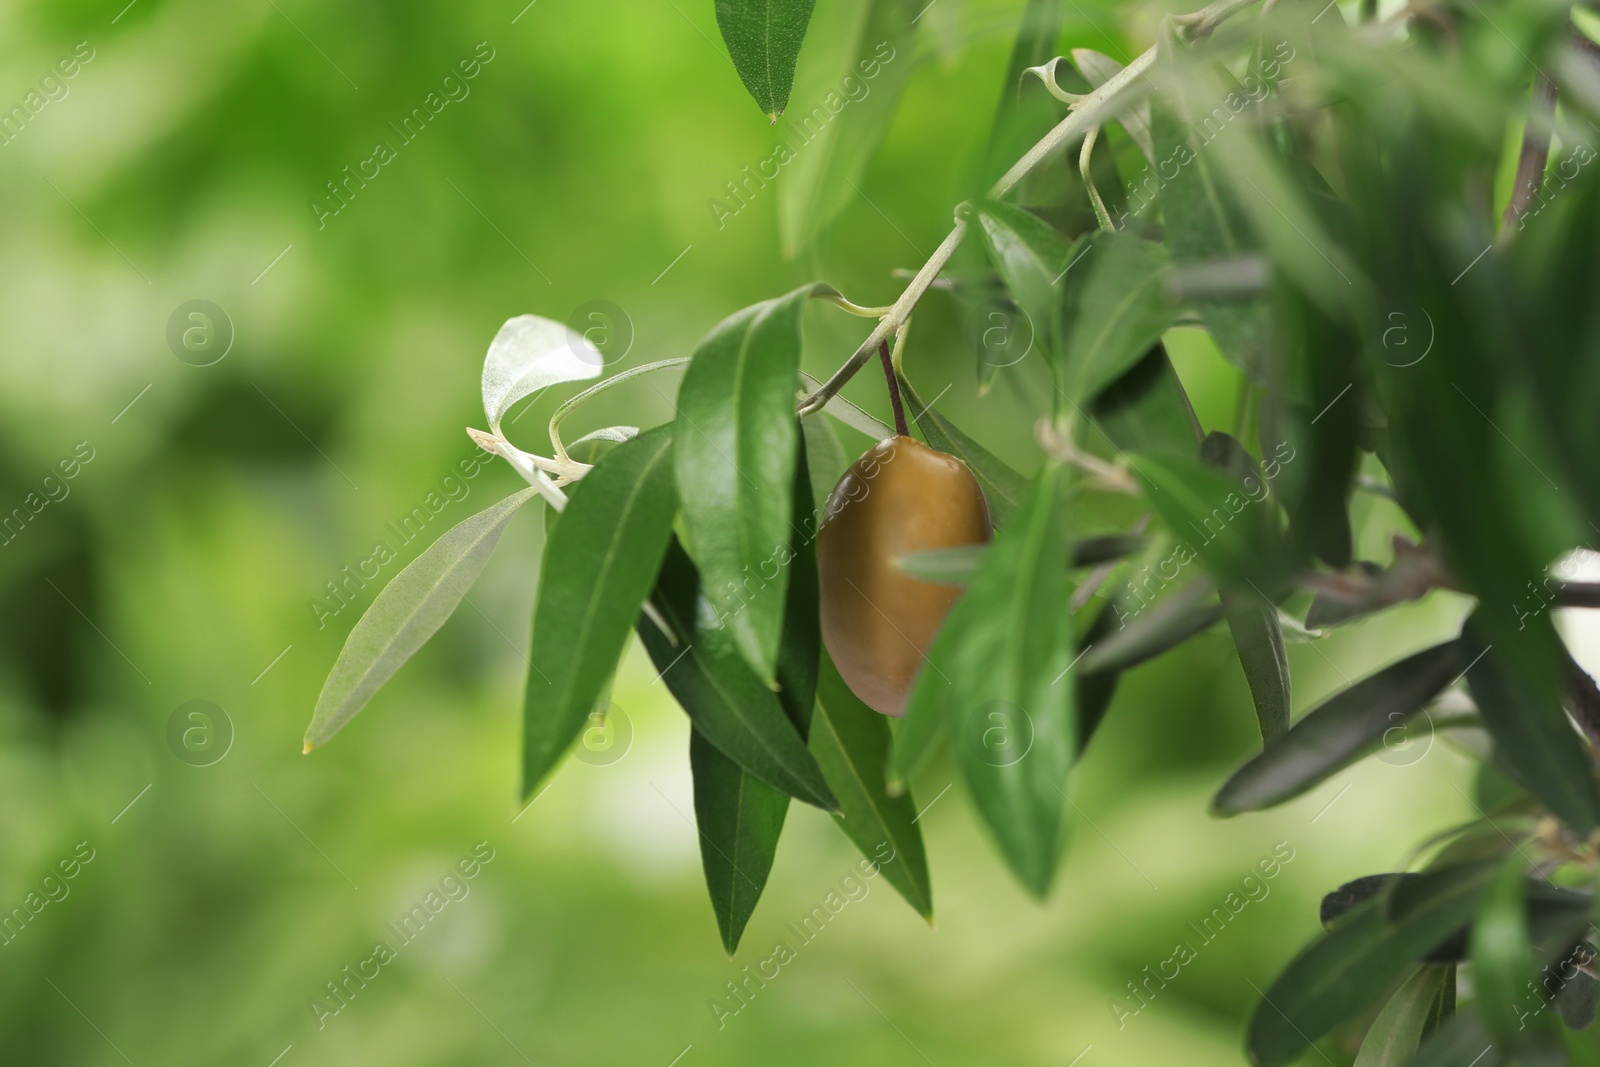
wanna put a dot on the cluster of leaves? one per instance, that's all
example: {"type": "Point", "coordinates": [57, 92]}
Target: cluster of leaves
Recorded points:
{"type": "Point", "coordinates": [1296, 185]}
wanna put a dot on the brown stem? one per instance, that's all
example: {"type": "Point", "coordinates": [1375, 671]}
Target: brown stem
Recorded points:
{"type": "Point", "coordinates": [1535, 152]}
{"type": "Point", "coordinates": [894, 390]}
{"type": "Point", "coordinates": [1577, 594]}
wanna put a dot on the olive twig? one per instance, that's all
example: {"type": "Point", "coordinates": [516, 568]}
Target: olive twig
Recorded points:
{"type": "Point", "coordinates": [1107, 476]}
{"type": "Point", "coordinates": [531, 467]}
{"type": "Point", "coordinates": [1092, 110]}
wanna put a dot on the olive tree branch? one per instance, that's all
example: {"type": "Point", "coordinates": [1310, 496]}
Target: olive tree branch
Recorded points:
{"type": "Point", "coordinates": [1535, 153]}
{"type": "Point", "coordinates": [1091, 111]}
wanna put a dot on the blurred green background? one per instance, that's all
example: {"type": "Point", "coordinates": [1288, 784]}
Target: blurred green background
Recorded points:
{"type": "Point", "coordinates": [179, 163]}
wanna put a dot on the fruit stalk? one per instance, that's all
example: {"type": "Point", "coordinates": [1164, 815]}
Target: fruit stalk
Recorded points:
{"type": "Point", "coordinates": [894, 390]}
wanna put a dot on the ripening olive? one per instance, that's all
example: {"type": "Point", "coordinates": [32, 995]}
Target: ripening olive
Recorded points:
{"type": "Point", "coordinates": [900, 497]}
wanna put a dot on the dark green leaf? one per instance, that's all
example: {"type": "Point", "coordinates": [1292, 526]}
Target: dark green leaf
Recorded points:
{"type": "Point", "coordinates": [410, 610]}
{"type": "Point", "coordinates": [598, 565]}
{"type": "Point", "coordinates": [851, 743]}
{"type": "Point", "coordinates": [1003, 487]}
{"type": "Point", "coordinates": [956, 566]}
{"type": "Point", "coordinates": [1443, 1008]}
{"type": "Point", "coordinates": [1396, 1032]}
{"type": "Point", "coordinates": [1258, 637]}
{"type": "Point", "coordinates": [1114, 308]}
{"type": "Point", "coordinates": [995, 675]}
{"type": "Point", "coordinates": [1502, 953]}
{"type": "Point", "coordinates": [1095, 691]}
{"type": "Point", "coordinates": [739, 818]}
{"type": "Point", "coordinates": [800, 649]}
{"type": "Point", "coordinates": [1270, 193]}
{"type": "Point", "coordinates": [1354, 893]}
{"type": "Point", "coordinates": [1146, 410]}
{"type": "Point", "coordinates": [1091, 551]}
{"type": "Point", "coordinates": [1579, 993]}
{"type": "Point", "coordinates": [1347, 968]}
{"type": "Point", "coordinates": [735, 460]}
{"type": "Point", "coordinates": [1335, 733]}
{"type": "Point", "coordinates": [1145, 632]}
{"type": "Point", "coordinates": [1551, 910]}
{"type": "Point", "coordinates": [764, 38]}
{"type": "Point", "coordinates": [1031, 258]}
{"type": "Point", "coordinates": [1204, 224]}
{"type": "Point", "coordinates": [1312, 421]}
{"type": "Point", "coordinates": [1533, 739]}
{"type": "Point", "coordinates": [1252, 618]}
{"type": "Point", "coordinates": [1213, 517]}
{"type": "Point", "coordinates": [826, 461]}
{"type": "Point", "coordinates": [724, 699]}
{"type": "Point", "coordinates": [1461, 1041]}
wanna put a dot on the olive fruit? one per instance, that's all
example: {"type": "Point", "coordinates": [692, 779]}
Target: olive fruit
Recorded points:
{"type": "Point", "coordinates": [877, 621]}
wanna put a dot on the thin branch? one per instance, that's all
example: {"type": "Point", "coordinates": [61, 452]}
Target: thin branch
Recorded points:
{"type": "Point", "coordinates": [1094, 109]}
{"type": "Point", "coordinates": [1535, 152]}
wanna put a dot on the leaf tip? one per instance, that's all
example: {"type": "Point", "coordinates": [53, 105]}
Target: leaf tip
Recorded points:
{"type": "Point", "coordinates": [1221, 808]}
{"type": "Point", "coordinates": [306, 751]}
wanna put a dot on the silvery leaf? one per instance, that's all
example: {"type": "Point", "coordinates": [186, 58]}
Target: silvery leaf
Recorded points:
{"type": "Point", "coordinates": [531, 353]}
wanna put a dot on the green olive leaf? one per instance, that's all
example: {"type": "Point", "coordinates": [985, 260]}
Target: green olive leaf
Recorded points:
{"type": "Point", "coordinates": [826, 461]}
{"type": "Point", "coordinates": [1502, 954]}
{"type": "Point", "coordinates": [1252, 617]}
{"type": "Point", "coordinates": [599, 563]}
{"type": "Point", "coordinates": [1397, 1031]}
{"type": "Point", "coordinates": [1462, 1040]}
{"type": "Point", "coordinates": [1114, 307]}
{"type": "Point", "coordinates": [1343, 971]}
{"type": "Point", "coordinates": [735, 462]}
{"type": "Point", "coordinates": [739, 818]}
{"type": "Point", "coordinates": [1204, 224]}
{"type": "Point", "coordinates": [851, 743]}
{"type": "Point", "coordinates": [408, 611]}
{"type": "Point", "coordinates": [1534, 741]}
{"type": "Point", "coordinates": [994, 679]}
{"type": "Point", "coordinates": [764, 39]}
{"type": "Point", "coordinates": [1230, 526]}
{"type": "Point", "coordinates": [1258, 638]}
{"type": "Point", "coordinates": [1334, 734]}
{"type": "Point", "coordinates": [728, 704]}
{"type": "Point", "coordinates": [1143, 633]}
{"type": "Point", "coordinates": [1147, 410]}
{"type": "Point", "coordinates": [1031, 258]}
